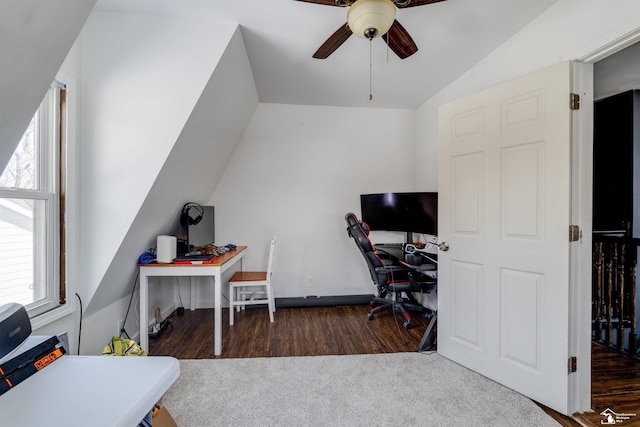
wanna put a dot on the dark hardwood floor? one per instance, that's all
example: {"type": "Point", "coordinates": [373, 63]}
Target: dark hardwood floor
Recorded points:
{"type": "Point", "coordinates": [309, 331]}
{"type": "Point", "coordinates": [341, 330]}
{"type": "Point", "coordinates": [615, 384]}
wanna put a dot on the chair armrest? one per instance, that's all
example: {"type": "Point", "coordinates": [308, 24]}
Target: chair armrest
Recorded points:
{"type": "Point", "coordinates": [390, 269]}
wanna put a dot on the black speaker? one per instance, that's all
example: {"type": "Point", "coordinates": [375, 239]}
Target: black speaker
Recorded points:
{"type": "Point", "coordinates": [15, 327]}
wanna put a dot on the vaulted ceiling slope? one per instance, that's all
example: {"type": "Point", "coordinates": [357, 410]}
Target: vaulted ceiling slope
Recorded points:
{"type": "Point", "coordinates": [35, 37]}
{"type": "Point", "coordinates": [282, 35]}
{"type": "Point", "coordinates": [189, 95]}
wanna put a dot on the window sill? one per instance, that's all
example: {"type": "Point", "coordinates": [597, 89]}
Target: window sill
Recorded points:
{"type": "Point", "coordinates": [51, 316]}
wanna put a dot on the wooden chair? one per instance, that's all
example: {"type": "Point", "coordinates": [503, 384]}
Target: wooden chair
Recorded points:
{"type": "Point", "coordinates": [252, 287]}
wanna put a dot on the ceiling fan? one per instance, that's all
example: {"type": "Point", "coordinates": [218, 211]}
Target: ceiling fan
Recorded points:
{"type": "Point", "coordinates": [370, 19]}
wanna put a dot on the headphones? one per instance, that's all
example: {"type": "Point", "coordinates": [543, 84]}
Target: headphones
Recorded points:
{"type": "Point", "coordinates": [186, 219]}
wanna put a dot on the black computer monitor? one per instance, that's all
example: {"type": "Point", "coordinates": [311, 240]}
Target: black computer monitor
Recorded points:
{"type": "Point", "coordinates": [198, 223]}
{"type": "Point", "coordinates": [407, 212]}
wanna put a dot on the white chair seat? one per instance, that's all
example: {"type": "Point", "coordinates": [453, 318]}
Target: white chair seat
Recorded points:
{"type": "Point", "coordinates": [252, 288]}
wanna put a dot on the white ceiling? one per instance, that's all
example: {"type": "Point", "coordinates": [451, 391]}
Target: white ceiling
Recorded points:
{"type": "Point", "coordinates": [282, 35]}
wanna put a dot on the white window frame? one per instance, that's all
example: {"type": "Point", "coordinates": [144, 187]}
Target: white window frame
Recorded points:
{"type": "Point", "coordinates": [46, 254]}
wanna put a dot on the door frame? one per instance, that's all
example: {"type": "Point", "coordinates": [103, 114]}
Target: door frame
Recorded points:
{"type": "Point", "coordinates": [582, 200]}
{"type": "Point", "coordinates": [579, 386]}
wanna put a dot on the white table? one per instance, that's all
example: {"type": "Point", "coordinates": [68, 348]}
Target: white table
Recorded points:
{"type": "Point", "coordinates": [80, 391]}
{"type": "Point", "coordinates": [219, 265]}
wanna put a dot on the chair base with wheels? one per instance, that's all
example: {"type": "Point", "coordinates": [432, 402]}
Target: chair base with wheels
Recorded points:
{"type": "Point", "coordinates": [402, 304]}
{"type": "Point", "coordinates": [252, 288]}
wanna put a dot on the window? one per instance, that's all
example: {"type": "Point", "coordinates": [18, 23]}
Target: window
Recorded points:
{"type": "Point", "coordinates": [31, 207]}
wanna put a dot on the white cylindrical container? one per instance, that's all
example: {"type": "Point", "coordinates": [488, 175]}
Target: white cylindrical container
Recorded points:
{"type": "Point", "coordinates": [166, 248]}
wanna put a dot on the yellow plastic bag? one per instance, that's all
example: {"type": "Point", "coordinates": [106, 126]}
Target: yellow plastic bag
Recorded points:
{"type": "Point", "coordinates": [122, 347]}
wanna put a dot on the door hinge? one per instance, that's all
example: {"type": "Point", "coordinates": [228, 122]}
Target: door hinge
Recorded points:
{"type": "Point", "coordinates": [574, 101]}
{"type": "Point", "coordinates": [574, 233]}
{"type": "Point", "coordinates": [573, 364]}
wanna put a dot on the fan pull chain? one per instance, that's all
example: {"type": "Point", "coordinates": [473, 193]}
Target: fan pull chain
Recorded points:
{"type": "Point", "coordinates": [388, 40]}
{"type": "Point", "coordinates": [370, 85]}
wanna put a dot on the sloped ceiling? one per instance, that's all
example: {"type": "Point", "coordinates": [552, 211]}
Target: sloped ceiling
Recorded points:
{"type": "Point", "coordinates": [282, 35]}
{"type": "Point", "coordinates": [172, 134]}
{"type": "Point", "coordinates": [35, 36]}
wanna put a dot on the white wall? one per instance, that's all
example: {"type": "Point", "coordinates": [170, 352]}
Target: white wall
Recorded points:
{"type": "Point", "coordinates": [141, 78]}
{"type": "Point", "coordinates": [295, 174]}
{"type": "Point", "coordinates": [568, 30]}
{"type": "Point", "coordinates": [190, 172]}
{"type": "Point", "coordinates": [617, 73]}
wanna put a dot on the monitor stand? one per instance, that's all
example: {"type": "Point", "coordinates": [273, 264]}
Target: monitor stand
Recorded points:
{"type": "Point", "coordinates": [409, 238]}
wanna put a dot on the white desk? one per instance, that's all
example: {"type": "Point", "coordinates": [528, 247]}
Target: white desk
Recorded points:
{"type": "Point", "coordinates": [215, 270]}
{"type": "Point", "coordinates": [79, 391]}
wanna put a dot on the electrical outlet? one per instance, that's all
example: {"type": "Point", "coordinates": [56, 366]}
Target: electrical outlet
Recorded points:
{"type": "Point", "coordinates": [120, 326]}
{"type": "Point", "coordinates": [310, 281]}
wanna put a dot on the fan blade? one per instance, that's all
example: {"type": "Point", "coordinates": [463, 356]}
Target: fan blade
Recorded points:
{"type": "Point", "coordinates": [325, 2]}
{"type": "Point", "coordinates": [412, 3]}
{"type": "Point", "coordinates": [333, 42]}
{"type": "Point", "coordinates": [399, 41]}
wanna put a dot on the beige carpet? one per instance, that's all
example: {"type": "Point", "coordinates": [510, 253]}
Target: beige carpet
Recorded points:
{"type": "Point", "coordinates": [399, 389]}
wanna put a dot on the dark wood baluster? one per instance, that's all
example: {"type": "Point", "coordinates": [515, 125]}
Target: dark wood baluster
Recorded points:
{"type": "Point", "coordinates": [633, 338]}
{"type": "Point", "coordinates": [594, 290]}
{"type": "Point", "coordinates": [613, 299]}
{"type": "Point", "coordinates": [601, 279]}
{"type": "Point", "coordinates": [614, 290]}
{"type": "Point", "coordinates": [608, 326]}
{"type": "Point", "coordinates": [615, 267]}
{"type": "Point", "coordinates": [598, 297]}
{"type": "Point", "coordinates": [620, 300]}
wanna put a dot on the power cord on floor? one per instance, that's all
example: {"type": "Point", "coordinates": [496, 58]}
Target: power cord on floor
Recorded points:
{"type": "Point", "coordinates": [163, 327]}
{"type": "Point", "coordinates": [180, 309]}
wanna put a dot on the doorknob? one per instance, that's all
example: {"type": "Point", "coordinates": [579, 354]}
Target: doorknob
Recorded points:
{"type": "Point", "coordinates": [443, 246]}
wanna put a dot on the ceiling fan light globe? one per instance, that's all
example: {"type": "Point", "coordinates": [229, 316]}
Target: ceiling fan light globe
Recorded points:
{"type": "Point", "coordinates": [366, 17]}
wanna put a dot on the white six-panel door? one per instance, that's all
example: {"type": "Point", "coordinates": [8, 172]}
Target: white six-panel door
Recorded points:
{"type": "Point", "coordinates": [504, 210]}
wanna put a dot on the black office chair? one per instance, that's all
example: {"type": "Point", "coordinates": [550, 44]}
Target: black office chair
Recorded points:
{"type": "Point", "coordinates": [390, 277]}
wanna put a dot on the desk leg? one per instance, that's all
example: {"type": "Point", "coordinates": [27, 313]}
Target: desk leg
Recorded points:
{"type": "Point", "coordinates": [144, 304]}
{"type": "Point", "coordinates": [217, 320]}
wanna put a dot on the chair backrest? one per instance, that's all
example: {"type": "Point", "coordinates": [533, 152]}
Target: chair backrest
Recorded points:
{"type": "Point", "coordinates": [360, 233]}
{"type": "Point", "coordinates": [272, 248]}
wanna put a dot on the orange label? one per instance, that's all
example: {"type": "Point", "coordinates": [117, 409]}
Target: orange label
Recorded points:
{"type": "Point", "coordinates": [39, 364]}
